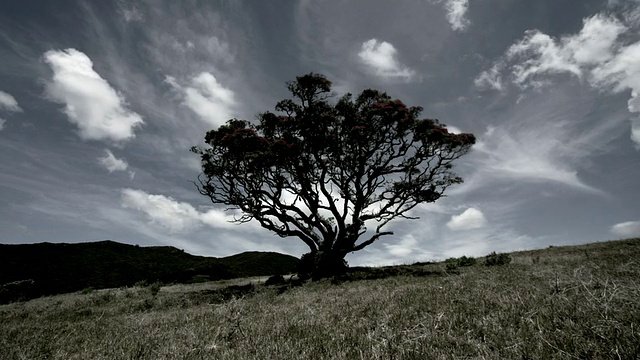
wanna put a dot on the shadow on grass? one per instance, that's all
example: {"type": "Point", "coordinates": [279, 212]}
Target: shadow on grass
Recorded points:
{"type": "Point", "coordinates": [374, 273]}
{"type": "Point", "coordinates": [218, 296]}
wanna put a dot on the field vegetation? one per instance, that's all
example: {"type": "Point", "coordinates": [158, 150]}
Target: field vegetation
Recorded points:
{"type": "Point", "coordinates": [578, 302]}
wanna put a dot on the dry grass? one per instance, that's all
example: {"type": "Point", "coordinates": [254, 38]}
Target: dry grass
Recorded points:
{"type": "Point", "coordinates": [560, 303]}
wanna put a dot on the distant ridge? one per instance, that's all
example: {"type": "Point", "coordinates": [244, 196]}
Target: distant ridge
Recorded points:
{"type": "Point", "coordinates": [54, 268]}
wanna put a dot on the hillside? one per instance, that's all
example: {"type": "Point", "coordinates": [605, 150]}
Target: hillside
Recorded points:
{"type": "Point", "coordinates": [573, 302]}
{"type": "Point", "coordinates": [60, 268]}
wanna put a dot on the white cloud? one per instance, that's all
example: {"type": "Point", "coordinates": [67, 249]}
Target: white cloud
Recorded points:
{"type": "Point", "coordinates": [205, 96]}
{"type": "Point", "coordinates": [2, 122]}
{"type": "Point", "coordinates": [8, 102]}
{"type": "Point", "coordinates": [629, 228]}
{"type": "Point", "coordinates": [601, 53]}
{"type": "Point", "coordinates": [456, 13]}
{"type": "Point", "coordinates": [403, 248]}
{"type": "Point", "coordinates": [172, 215]}
{"type": "Point", "coordinates": [90, 102]}
{"type": "Point", "coordinates": [596, 40]}
{"type": "Point", "coordinates": [541, 55]}
{"type": "Point", "coordinates": [380, 56]}
{"type": "Point", "coordinates": [471, 218]}
{"type": "Point", "coordinates": [490, 79]}
{"type": "Point", "coordinates": [111, 163]}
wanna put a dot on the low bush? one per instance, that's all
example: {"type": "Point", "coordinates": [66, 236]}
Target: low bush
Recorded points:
{"type": "Point", "coordinates": [155, 288]}
{"type": "Point", "coordinates": [494, 259]}
{"type": "Point", "coordinates": [17, 291]}
{"type": "Point", "coordinates": [454, 263]}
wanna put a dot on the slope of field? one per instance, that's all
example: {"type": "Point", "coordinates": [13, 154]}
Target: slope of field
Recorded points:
{"type": "Point", "coordinates": [580, 302]}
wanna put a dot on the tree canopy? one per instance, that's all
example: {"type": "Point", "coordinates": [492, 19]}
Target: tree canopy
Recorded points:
{"type": "Point", "coordinates": [331, 173]}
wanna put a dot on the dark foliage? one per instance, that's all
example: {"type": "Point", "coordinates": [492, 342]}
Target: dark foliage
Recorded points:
{"type": "Point", "coordinates": [32, 270]}
{"type": "Point", "coordinates": [322, 170]}
{"type": "Point", "coordinates": [375, 273]}
{"type": "Point", "coordinates": [454, 263]}
{"type": "Point", "coordinates": [494, 259]}
{"type": "Point", "coordinates": [275, 280]}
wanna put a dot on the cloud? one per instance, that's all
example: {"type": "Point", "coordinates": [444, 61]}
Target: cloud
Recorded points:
{"type": "Point", "coordinates": [490, 79]}
{"type": "Point", "coordinates": [629, 228]}
{"type": "Point", "coordinates": [90, 102]}
{"type": "Point", "coordinates": [456, 14]}
{"type": "Point", "coordinates": [600, 53]}
{"type": "Point", "coordinates": [403, 248]}
{"type": "Point", "coordinates": [471, 218]}
{"type": "Point", "coordinates": [172, 215]}
{"type": "Point", "coordinates": [8, 102]}
{"type": "Point", "coordinates": [111, 163]}
{"type": "Point", "coordinates": [540, 54]}
{"type": "Point", "coordinates": [205, 96]}
{"type": "Point", "coordinates": [380, 56]}
{"type": "Point", "coordinates": [542, 152]}
{"type": "Point", "coordinates": [130, 14]}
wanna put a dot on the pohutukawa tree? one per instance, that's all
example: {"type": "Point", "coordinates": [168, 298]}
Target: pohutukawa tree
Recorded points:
{"type": "Point", "coordinates": [330, 173]}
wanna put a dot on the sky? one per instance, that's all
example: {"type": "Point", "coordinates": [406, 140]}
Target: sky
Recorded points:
{"type": "Point", "coordinates": [100, 102]}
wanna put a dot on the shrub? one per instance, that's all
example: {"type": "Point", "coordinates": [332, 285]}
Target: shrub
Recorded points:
{"type": "Point", "coordinates": [454, 263]}
{"type": "Point", "coordinates": [17, 291]}
{"type": "Point", "coordinates": [467, 261]}
{"type": "Point", "coordinates": [451, 263]}
{"type": "Point", "coordinates": [154, 288]}
{"type": "Point", "coordinates": [494, 259]}
{"type": "Point", "coordinates": [275, 280]}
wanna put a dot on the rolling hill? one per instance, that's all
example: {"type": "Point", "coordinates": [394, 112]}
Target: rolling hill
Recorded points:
{"type": "Point", "coordinates": [48, 268]}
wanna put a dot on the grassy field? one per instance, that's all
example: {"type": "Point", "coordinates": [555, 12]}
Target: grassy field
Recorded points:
{"type": "Point", "coordinates": [580, 302]}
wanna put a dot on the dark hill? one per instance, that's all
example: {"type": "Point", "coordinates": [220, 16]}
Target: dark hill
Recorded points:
{"type": "Point", "coordinates": [46, 268]}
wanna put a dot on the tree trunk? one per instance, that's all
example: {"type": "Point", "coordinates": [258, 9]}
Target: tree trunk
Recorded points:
{"type": "Point", "coordinates": [321, 264]}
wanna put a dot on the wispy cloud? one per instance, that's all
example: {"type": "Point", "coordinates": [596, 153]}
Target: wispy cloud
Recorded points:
{"type": "Point", "coordinates": [98, 110]}
{"type": "Point", "coordinates": [490, 79]}
{"type": "Point", "coordinates": [628, 229]}
{"type": "Point", "coordinates": [112, 163]}
{"type": "Point", "coordinates": [8, 102]}
{"type": "Point", "coordinates": [205, 96]}
{"type": "Point", "coordinates": [532, 153]}
{"type": "Point", "coordinates": [2, 122]}
{"type": "Point", "coordinates": [381, 58]}
{"type": "Point", "coordinates": [600, 53]}
{"type": "Point", "coordinates": [130, 13]}
{"type": "Point", "coordinates": [471, 218]}
{"type": "Point", "coordinates": [546, 137]}
{"type": "Point", "coordinates": [456, 14]}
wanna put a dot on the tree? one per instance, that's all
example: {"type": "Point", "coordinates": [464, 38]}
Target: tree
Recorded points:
{"type": "Point", "coordinates": [324, 171]}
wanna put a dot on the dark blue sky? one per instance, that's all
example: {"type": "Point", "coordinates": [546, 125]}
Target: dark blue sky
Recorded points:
{"type": "Point", "coordinates": [101, 101]}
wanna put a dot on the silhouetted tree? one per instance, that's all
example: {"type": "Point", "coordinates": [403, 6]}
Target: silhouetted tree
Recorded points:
{"type": "Point", "coordinates": [332, 174]}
